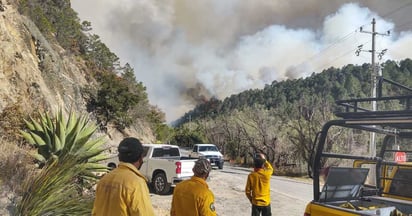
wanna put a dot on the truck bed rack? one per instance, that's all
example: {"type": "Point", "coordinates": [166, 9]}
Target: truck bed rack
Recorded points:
{"type": "Point", "coordinates": [353, 109]}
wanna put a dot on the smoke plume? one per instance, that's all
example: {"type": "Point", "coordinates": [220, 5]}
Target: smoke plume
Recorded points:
{"type": "Point", "coordinates": [187, 51]}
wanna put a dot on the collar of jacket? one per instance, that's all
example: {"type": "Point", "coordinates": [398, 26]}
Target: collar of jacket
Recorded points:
{"type": "Point", "coordinates": [257, 169]}
{"type": "Point", "coordinates": [200, 180]}
{"type": "Point", "coordinates": [132, 168]}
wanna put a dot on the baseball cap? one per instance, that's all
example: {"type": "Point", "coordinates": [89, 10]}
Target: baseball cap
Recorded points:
{"type": "Point", "coordinates": [130, 150]}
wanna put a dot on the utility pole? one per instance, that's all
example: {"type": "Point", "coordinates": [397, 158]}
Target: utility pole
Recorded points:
{"type": "Point", "coordinates": [376, 74]}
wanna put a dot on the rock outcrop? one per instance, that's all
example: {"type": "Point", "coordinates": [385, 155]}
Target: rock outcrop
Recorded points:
{"type": "Point", "coordinates": [38, 74]}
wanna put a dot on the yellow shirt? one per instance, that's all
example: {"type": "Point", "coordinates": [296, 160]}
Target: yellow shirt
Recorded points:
{"type": "Point", "coordinates": [258, 186]}
{"type": "Point", "coordinates": [123, 192]}
{"type": "Point", "coordinates": [192, 197]}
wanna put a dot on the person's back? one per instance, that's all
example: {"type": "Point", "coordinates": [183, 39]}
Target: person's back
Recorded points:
{"type": "Point", "coordinates": [193, 197]}
{"type": "Point", "coordinates": [258, 187]}
{"type": "Point", "coordinates": [117, 189]}
{"type": "Point", "coordinates": [123, 191]}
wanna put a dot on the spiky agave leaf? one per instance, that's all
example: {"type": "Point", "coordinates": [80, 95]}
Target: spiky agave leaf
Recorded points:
{"type": "Point", "coordinates": [37, 126]}
{"type": "Point", "coordinates": [72, 121]}
{"type": "Point", "coordinates": [82, 140]}
{"type": "Point", "coordinates": [75, 133]}
{"type": "Point", "coordinates": [71, 130]}
{"type": "Point", "coordinates": [29, 125]}
{"type": "Point", "coordinates": [93, 144]}
{"type": "Point", "coordinates": [39, 157]}
{"type": "Point", "coordinates": [61, 128]}
{"type": "Point", "coordinates": [38, 140]}
{"type": "Point", "coordinates": [85, 130]}
{"type": "Point", "coordinates": [67, 137]}
{"type": "Point", "coordinates": [28, 137]}
{"type": "Point", "coordinates": [57, 144]}
{"type": "Point", "coordinates": [53, 191]}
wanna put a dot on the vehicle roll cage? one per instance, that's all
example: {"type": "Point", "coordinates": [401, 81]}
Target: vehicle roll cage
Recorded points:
{"type": "Point", "coordinates": [387, 122]}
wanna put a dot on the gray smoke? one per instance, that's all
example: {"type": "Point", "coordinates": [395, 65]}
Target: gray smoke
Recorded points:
{"type": "Point", "coordinates": [187, 51]}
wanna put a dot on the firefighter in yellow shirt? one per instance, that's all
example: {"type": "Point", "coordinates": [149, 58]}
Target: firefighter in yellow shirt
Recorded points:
{"type": "Point", "coordinates": [123, 191]}
{"type": "Point", "coordinates": [258, 186]}
{"type": "Point", "coordinates": [192, 197]}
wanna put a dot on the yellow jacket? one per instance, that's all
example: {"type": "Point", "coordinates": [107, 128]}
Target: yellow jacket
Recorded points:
{"type": "Point", "coordinates": [123, 192]}
{"type": "Point", "coordinates": [192, 197]}
{"type": "Point", "coordinates": [258, 185]}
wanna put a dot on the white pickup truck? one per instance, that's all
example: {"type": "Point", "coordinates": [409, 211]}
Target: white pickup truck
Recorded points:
{"type": "Point", "coordinates": [208, 151]}
{"type": "Point", "coordinates": [164, 166]}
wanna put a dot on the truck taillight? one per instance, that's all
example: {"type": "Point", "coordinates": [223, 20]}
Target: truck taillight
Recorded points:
{"type": "Point", "coordinates": [178, 167]}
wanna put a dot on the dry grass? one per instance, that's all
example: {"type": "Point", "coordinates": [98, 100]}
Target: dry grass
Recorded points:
{"type": "Point", "coordinates": [15, 161]}
{"type": "Point", "coordinates": [15, 165]}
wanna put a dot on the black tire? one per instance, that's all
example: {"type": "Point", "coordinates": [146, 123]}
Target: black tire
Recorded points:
{"type": "Point", "coordinates": [220, 165]}
{"type": "Point", "coordinates": [160, 185]}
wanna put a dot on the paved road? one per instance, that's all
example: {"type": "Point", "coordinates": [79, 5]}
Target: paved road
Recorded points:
{"type": "Point", "coordinates": [299, 192]}
{"type": "Point", "coordinates": [288, 196]}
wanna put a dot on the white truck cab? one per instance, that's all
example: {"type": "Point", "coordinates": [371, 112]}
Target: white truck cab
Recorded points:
{"type": "Point", "coordinates": [208, 151]}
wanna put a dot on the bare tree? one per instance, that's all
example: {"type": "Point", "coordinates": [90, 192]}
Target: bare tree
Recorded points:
{"type": "Point", "coordinates": [257, 127]}
{"type": "Point", "coordinates": [305, 121]}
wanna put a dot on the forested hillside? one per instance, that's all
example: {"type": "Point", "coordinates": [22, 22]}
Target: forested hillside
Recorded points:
{"type": "Point", "coordinates": [332, 84]}
{"type": "Point", "coordinates": [285, 116]}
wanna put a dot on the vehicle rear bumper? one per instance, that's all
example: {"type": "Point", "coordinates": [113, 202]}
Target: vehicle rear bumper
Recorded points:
{"type": "Point", "coordinates": [180, 179]}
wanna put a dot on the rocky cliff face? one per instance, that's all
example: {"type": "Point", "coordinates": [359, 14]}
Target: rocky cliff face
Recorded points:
{"type": "Point", "coordinates": [33, 71]}
{"type": "Point", "coordinates": [38, 74]}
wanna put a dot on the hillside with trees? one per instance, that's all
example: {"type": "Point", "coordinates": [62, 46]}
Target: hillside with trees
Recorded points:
{"type": "Point", "coordinates": [282, 119]}
{"type": "Point", "coordinates": [65, 101]}
{"type": "Point", "coordinates": [116, 97]}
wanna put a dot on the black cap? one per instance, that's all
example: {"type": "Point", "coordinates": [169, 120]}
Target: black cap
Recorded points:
{"type": "Point", "coordinates": [130, 150]}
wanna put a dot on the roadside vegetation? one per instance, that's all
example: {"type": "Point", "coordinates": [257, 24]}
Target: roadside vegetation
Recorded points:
{"type": "Point", "coordinates": [53, 172]}
{"type": "Point", "coordinates": [48, 160]}
{"type": "Point", "coordinates": [282, 119]}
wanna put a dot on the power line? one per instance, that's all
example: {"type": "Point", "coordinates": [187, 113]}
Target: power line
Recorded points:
{"type": "Point", "coordinates": [328, 47]}
{"type": "Point", "coordinates": [350, 52]}
{"type": "Point", "coordinates": [396, 10]}
{"type": "Point", "coordinates": [349, 34]}
{"type": "Point", "coordinates": [401, 25]}
{"type": "Point", "coordinates": [405, 24]}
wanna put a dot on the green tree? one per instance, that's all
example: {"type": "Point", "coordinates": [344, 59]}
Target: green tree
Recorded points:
{"type": "Point", "coordinates": [113, 101]}
{"type": "Point", "coordinates": [99, 57]}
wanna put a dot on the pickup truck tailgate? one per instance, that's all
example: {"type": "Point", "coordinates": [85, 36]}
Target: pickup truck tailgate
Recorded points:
{"type": "Point", "coordinates": [186, 168]}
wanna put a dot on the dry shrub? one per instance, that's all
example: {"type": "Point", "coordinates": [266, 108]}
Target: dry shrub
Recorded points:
{"type": "Point", "coordinates": [15, 161]}
{"type": "Point", "coordinates": [15, 165]}
{"type": "Point", "coordinates": [12, 120]}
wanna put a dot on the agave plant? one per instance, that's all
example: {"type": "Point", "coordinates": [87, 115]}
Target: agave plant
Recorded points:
{"type": "Point", "coordinates": [52, 191]}
{"type": "Point", "coordinates": [57, 137]}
